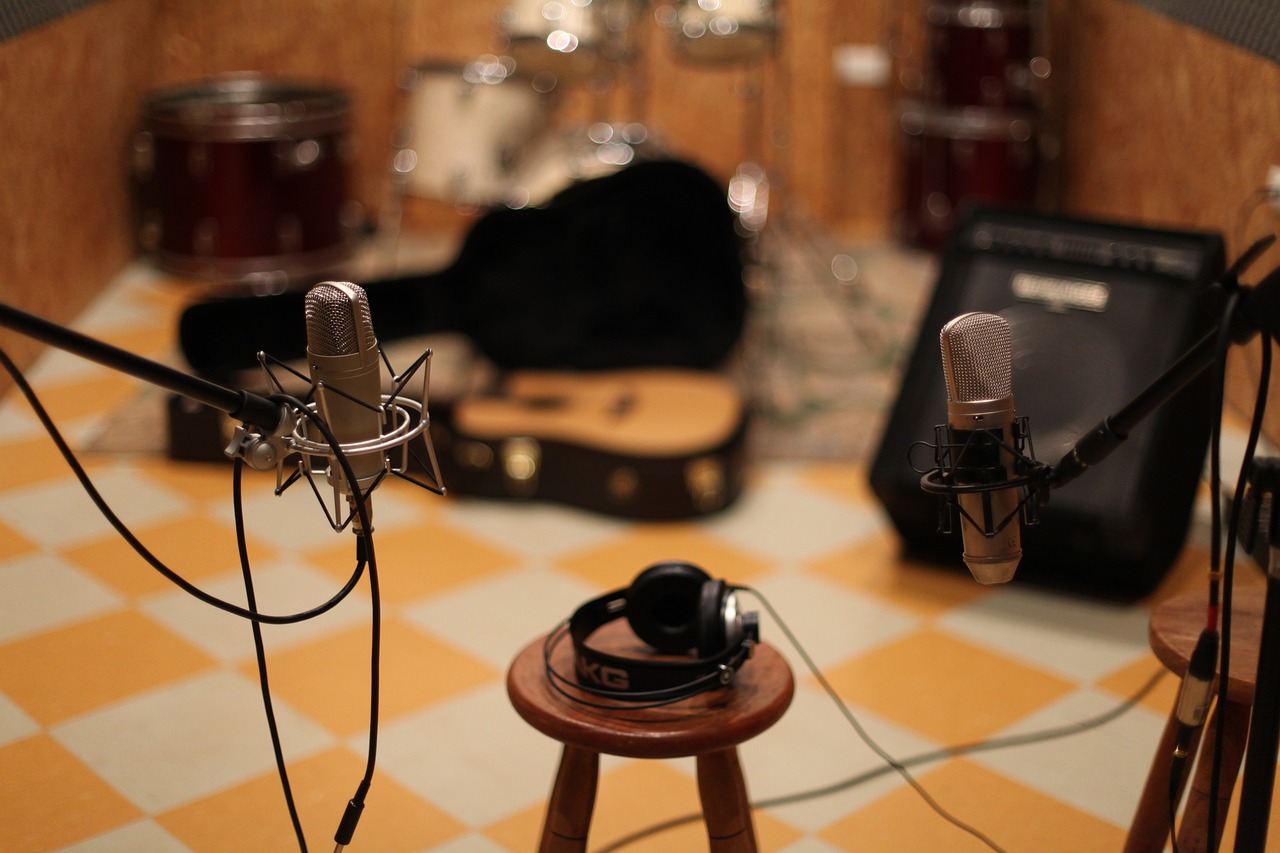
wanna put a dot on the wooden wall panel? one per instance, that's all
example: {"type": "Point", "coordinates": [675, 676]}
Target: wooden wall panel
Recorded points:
{"type": "Point", "coordinates": [1162, 124]}
{"type": "Point", "coordinates": [1169, 126]}
{"type": "Point", "coordinates": [64, 214]}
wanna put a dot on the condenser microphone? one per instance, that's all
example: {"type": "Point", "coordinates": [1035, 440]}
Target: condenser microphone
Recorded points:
{"type": "Point", "coordinates": [977, 361]}
{"type": "Point", "coordinates": [343, 359]}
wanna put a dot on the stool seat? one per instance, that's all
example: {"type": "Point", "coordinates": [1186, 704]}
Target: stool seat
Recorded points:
{"type": "Point", "coordinates": [1176, 624]}
{"type": "Point", "coordinates": [1173, 631]}
{"type": "Point", "coordinates": [709, 726]}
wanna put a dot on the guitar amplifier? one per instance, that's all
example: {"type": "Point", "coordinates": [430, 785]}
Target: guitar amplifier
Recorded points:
{"type": "Point", "coordinates": [1097, 311]}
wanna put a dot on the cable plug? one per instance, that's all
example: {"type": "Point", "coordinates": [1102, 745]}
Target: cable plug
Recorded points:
{"type": "Point", "coordinates": [350, 817]}
{"type": "Point", "coordinates": [1193, 702]}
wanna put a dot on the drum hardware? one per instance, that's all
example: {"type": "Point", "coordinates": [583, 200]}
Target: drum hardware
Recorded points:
{"type": "Point", "coordinates": [722, 31]}
{"type": "Point", "coordinates": [974, 123]}
{"type": "Point", "coordinates": [576, 40]}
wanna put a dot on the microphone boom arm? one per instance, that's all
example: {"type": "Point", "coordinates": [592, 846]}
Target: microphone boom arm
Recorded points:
{"type": "Point", "coordinates": [1255, 309]}
{"type": "Point", "coordinates": [241, 405]}
{"type": "Point", "coordinates": [1112, 431]}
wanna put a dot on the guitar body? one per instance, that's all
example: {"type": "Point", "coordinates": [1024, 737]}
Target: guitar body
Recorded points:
{"type": "Point", "coordinates": [652, 443]}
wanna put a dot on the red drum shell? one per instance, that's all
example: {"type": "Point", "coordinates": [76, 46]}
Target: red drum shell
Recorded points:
{"type": "Point", "coordinates": [951, 158]}
{"type": "Point", "coordinates": [244, 181]}
{"type": "Point", "coordinates": [980, 55]}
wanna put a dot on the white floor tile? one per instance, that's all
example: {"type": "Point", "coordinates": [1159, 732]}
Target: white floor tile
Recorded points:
{"type": "Point", "coordinates": [472, 842]}
{"type": "Point", "coordinates": [490, 749]}
{"type": "Point", "coordinates": [498, 616]}
{"type": "Point", "coordinates": [137, 501]}
{"type": "Point", "coordinates": [1081, 639]}
{"type": "Point", "coordinates": [1100, 771]}
{"type": "Point", "coordinates": [830, 621]}
{"type": "Point", "coordinates": [144, 835]}
{"type": "Point", "coordinates": [14, 722]}
{"type": "Point", "coordinates": [813, 747]}
{"type": "Point", "coordinates": [282, 588]}
{"type": "Point", "coordinates": [41, 592]}
{"type": "Point", "coordinates": [533, 529]}
{"type": "Point", "coordinates": [187, 740]}
{"type": "Point", "coordinates": [784, 520]}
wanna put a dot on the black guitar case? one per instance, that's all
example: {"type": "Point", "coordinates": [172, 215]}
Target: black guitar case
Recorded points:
{"type": "Point", "coordinates": [642, 267]}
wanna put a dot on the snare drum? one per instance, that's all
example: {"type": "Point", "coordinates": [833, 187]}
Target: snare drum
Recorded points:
{"type": "Point", "coordinates": [952, 157]}
{"type": "Point", "coordinates": [724, 30]}
{"type": "Point", "coordinates": [981, 54]}
{"type": "Point", "coordinates": [465, 127]}
{"type": "Point", "coordinates": [244, 181]}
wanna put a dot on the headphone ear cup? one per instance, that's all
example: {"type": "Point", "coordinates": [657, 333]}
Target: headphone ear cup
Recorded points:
{"type": "Point", "coordinates": [664, 606]}
{"type": "Point", "coordinates": [713, 633]}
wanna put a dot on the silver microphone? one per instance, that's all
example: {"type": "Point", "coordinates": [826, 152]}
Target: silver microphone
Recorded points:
{"type": "Point", "coordinates": [977, 361]}
{"type": "Point", "coordinates": [343, 358]}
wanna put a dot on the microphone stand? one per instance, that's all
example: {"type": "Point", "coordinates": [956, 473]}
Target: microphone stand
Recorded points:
{"type": "Point", "coordinates": [241, 405]}
{"type": "Point", "coordinates": [1257, 311]}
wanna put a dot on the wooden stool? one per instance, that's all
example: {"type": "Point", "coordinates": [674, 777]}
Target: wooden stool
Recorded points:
{"type": "Point", "coordinates": [1173, 631]}
{"type": "Point", "coordinates": [709, 726]}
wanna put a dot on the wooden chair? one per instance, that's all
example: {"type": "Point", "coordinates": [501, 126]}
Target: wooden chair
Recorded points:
{"type": "Point", "coordinates": [709, 726]}
{"type": "Point", "coordinates": [1174, 628]}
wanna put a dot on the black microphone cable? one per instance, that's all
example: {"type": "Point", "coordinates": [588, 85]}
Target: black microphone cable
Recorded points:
{"type": "Point", "coordinates": [943, 753]}
{"type": "Point", "coordinates": [1228, 567]}
{"type": "Point", "coordinates": [1212, 653]}
{"type": "Point", "coordinates": [125, 533]}
{"type": "Point", "coordinates": [365, 561]}
{"type": "Point", "coordinates": [890, 764]}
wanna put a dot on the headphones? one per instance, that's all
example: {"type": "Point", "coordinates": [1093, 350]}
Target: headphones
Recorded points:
{"type": "Point", "coordinates": [677, 609]}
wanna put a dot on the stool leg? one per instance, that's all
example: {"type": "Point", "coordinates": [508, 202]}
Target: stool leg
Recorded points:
{"type": "Point", "coordinates": [725, 807]}
{"type": "Point", "coordinates": [1149, 831]}
{"type": "Point", "coordinates": [1192, 835]}
{"type": "Point", "coordinates": [572, 801]}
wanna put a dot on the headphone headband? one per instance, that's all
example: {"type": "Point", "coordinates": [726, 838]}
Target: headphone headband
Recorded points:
{"type": "Point", "coordinates": [636, 679]}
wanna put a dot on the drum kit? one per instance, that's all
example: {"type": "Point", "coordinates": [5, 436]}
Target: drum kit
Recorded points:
{"type": "Point", "coordinates": [974, 121]}
{"type": "Point", "coordinates": [242, 181]}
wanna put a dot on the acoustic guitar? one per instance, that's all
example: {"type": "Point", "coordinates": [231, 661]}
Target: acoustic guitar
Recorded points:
{"type": "Point", "coordinates": [653, 443]}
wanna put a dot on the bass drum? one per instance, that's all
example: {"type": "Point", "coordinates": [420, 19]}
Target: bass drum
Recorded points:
{"type": "Point", "coordinates": [243, 181]}
{"type": "Point", "coordinates": [465, 129]}
{"type": "Point", "coordinates": [954, 157]}
{"type": "Point", "coordinates": [560, 159]}
{"type": "Point", "coordinates": [723, 31]}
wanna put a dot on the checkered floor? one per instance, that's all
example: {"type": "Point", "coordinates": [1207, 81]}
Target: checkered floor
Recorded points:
{"type": "Point", "coordinates": [131, 718]}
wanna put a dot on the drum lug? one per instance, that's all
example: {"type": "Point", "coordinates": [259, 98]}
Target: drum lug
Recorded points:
{"type": "Point", "coordinates": [521, 461]}
{"type": "Point", "coordinates": [144, 155]}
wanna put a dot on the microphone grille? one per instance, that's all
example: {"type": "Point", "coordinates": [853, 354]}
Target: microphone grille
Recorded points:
{"type": "Point", "coordinates": [338, 319]}
{"type": "Point", "coordinates": [977, 358]}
